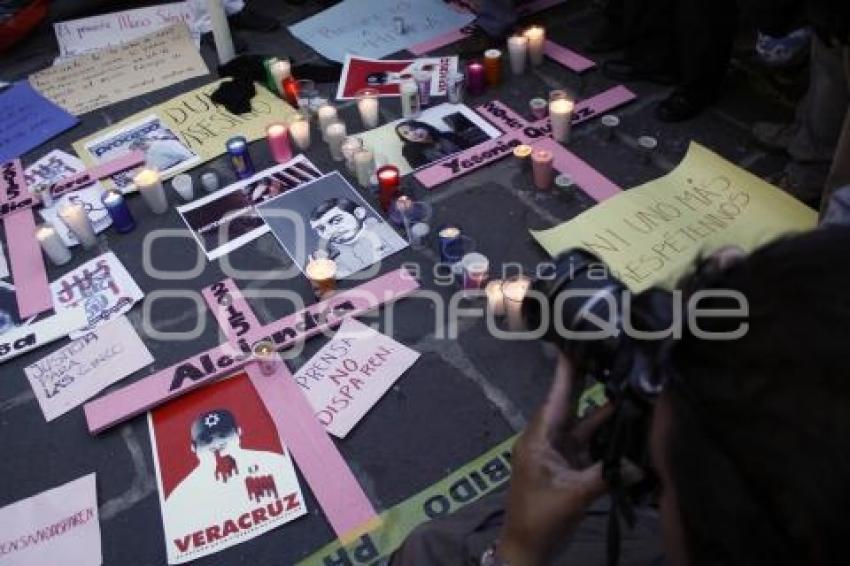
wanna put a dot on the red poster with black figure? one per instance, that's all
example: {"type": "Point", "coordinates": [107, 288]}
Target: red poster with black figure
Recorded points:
{"type": "Point", "coordinates": [223, 474]}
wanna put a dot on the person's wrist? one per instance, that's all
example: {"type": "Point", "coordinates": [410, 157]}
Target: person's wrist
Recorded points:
{"type": "Point", "coordinates": [518, 551]}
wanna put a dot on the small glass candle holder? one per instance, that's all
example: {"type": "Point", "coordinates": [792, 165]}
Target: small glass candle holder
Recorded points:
{"type": "Point", "coordinates": [240, 157]}
{"type": "Point", "coordinates": [116, 206]}
{"type": "Point", "coordinates": [368, 106]}
{"type": "Point", "coordinates": [306, 92]}
{"type": "Point", "coordinates": [266, 356]}
{"type": "Point", "coordinates": [476, 270]}
{"type": "Point", "coordinates": [350, 146]}
{"type": "Point", "coordinates": [539, 108]}
{"type": "Point", "coordinates": [456, 84]}
{"type": "Point", "coordinates": [514, 290]}
{"type": "Point", "coordinates": [321, 271]}
{"type": "Point", "coordinates": [389, 180]}
{"type": "Point", "coordinates": [423, 83]}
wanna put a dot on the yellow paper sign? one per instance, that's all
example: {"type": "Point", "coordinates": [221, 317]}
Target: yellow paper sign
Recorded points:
{"type": "Point", "coordinates": [184, 132]}
{"type": "Point", "coordinates": [651, 235]}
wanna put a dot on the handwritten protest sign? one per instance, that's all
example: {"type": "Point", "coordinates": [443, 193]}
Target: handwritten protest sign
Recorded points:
{"type": "Point", "coordinates": [651, 234]}
{"type": "Point", "coordinates": [58, 165]}
{"type": "Point", "coordinates": [102, 286]}
{"type": "Point", "coordinates": [351, 373]}
{"type": "Point", "coordinates": [77, 372]}
{"type": "Point", "coordinates": [58, 526]}
{"type": "Point", "coordinates": [26, 338]}
{"type": "Point", "coordinates": [366, 27]}
{"type": "Point", "coordinates": [193, 121]}
{"type": "Point", "coordinates": [98, 79]}
{"type": "Point", "coordinates": [84, 35]}
{"type": "Point", "coordinates": [27, 120]}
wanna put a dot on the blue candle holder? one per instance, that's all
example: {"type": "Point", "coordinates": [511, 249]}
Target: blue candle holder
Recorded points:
{"type": "Point", "coordinates": [451, 244]}
{"type": "Point", "coordinates": [240, 159]}
{"type": "Point", "coordinates": [122, 220]}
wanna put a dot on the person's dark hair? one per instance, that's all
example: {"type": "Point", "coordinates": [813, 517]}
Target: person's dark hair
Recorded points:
{"type": "Point", "coordinates": [759, 448]}
{"type": "Point", "coordinates": [432, 131]}
{"type": "Point", "coordinates": [343, 204]}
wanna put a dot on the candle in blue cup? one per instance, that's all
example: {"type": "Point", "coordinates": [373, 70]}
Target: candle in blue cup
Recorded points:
{"type": "Point", "coordinates": [451, 244]}
{"type": "Point", "coordinates": [240, 159]}
{"type": "Point", "coordinates": [122, 220]}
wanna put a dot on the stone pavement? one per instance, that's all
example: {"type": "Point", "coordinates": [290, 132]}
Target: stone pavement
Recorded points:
{"type": "Point", "coordinates": [464, 395]}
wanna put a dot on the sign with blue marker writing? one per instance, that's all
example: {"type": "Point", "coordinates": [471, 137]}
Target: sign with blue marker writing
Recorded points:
{"type": "Point", "coordinates": [27, 120]}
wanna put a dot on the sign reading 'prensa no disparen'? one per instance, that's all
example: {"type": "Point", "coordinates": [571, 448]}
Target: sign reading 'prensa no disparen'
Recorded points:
{"type": "Point", "coordinates": [178, 379]}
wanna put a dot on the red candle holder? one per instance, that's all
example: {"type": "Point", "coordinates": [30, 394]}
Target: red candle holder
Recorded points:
{"type": "Point", "coordinates": [388, 183]}
{"type": "Point", "coordinates": [289, 88]}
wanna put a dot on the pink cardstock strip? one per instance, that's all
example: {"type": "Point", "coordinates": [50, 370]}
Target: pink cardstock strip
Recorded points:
{"type": "Point", "coordinates": [567, 57]}
{"type": "Point", "coordinates": [32, 289]}
{"type": "Point", "coordinates": [338, 492]}
{"type": "Point", "coordinates": [502, 116]}
{"type": "Point", "coordinates": [469, 160]}
{"type": "Point", "coordinates": [15, 197]}
{"type": "Point", "coordinates": [171, 382]}
{"type": "Point", "coordinates": [585, 110]}
{"type": "Point", "coordinates": [591, 181]}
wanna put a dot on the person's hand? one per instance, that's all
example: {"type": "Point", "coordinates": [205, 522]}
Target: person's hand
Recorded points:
{"type": "Point", "coordinates": [550, 488]}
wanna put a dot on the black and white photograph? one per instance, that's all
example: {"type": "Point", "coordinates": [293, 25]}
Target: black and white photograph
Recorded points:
{"type": "Point", "coordinates": [328, 218]}
{"type": "Point", "coordinates": [228, 219]}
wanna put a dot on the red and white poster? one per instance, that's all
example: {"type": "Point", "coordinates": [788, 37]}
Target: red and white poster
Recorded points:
{"type": "Point", "coordinates": [224, 476]}
{"type": "Point", "coordinates": [386, 75]}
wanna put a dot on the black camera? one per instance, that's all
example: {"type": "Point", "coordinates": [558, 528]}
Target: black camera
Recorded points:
{"type": "Point", "coordinates": [612, 336]}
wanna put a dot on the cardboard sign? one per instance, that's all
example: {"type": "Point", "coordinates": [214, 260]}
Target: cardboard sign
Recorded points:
{"type": "Point", "coordinates": [343, 501]}
{"type": "Point", "coordinates": [224, 477]}
{"type": "Point", "coordinates": [309, 218]}
{"type": "Point", "coordinates": [351, 373]}
{"type": "Point", "coordinates": [29, 337]}
{"type": "Point", "coordinates": [84, 35]}
{"type": "Point", "coordinates": [523, 9]}
{"type": "Point", "coordinates": [228, 219]}
{"type": "Point", "coordinates": [54, 167]}
{"type": "Point", "coordinates": [366, 27]}
{"type": "Point", "coordinates": [386, 76]}
{"type": "Point", "coordinates": [102, 286]}
{"type": "Point", "coordinates": [27, 120]}
{"type": "Point", "coordinates": [113, 74]}
{"type": "Point", "coordinates": [652, 234]}
{"type": "Point", "coordinates": [28, 271]}
{"type": "Point", "coordinates": [58, 526]}
{"type": "Point", "coordinates": [186, 131]}
{"type": "Point", "coordinates": [77, 372]}
{"type": "Point", "coordinates": [176, 380]}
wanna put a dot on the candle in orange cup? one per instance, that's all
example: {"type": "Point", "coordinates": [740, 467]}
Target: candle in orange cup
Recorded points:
{"type": "Point", "coordinates": [322, 275]}
{"type": "Point", "coordinates": [541, 166]}
{"type": "Point", "coordinates": [493, 66]}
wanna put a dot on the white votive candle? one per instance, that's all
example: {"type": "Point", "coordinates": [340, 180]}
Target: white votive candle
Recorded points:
{"type": "Point", "coordinates": [536, 36]}
{"type": "Point", "coordinates": [299, 131]}
{"type": "Point", "coordinates": [495, 297]}
{"type": "Point", "coordinates": [335, 135]}
{"type": "Point", "coordinates": [326, 114]}
{"type": "Point", "coordinates": [367, 104]}
{"type": "Point", "coordinates": [52, 244]}
{"type": "Point", "coordinates": [149, 184]}
{"type": "Point", "coordinates": [280, 70]}
{"type": "Point", "coordinates": [561, 115]}
{"type": "Point", "coordinates": [410, 104]}
{"type": "Point", "coordinates": [76, 218]}
{"type": "Point", "coordinates": [518, 53]}
{"type": "Point", "coordinates": [514, 291]}
{"type": "Point", "coordinates": [364, 166]}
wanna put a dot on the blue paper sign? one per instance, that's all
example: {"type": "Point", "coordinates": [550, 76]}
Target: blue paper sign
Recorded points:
{"type": "Point", "coordinates": [377, 28]}
{"type": "Point", "coordinates": [27, 120]}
